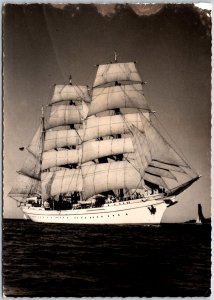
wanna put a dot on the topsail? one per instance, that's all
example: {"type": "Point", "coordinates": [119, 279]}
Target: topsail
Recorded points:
{"type": "Point", "coordinates": [124, 96]}
{"type": "Point", "coordinates": [116, 72]}
{"type": "Point", "coordinates": [70, 92]}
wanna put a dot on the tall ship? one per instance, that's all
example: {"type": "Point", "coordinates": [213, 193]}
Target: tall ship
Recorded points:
{"type": "Point", "coordinates": [98, 158]}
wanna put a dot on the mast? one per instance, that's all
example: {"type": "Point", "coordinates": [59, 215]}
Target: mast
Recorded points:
{"type": "Point", "coordinates": [122, 92]}
{"type": "Point", "coordinates": [62, 150]}
{"type": "Point", "coordinates": [43, 131]}
{"type": "Point", "coordinates": [119, 157]}
{"type": "Point", "coordinates": [42, 140]}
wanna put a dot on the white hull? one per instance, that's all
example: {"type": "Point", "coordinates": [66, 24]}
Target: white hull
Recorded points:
{"type": "Point", "coordinates": [127, 212]}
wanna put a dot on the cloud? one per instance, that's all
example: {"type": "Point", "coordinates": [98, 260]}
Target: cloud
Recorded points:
{"type": "Point", "coordinates": [106, 9]}
{"type": "Point", "coordinates": [146, 9]}
{"type": "Point", "coordinates": [205, 13]}
{"type": "Point", "coordinates": [59, 6]}
{"type": "Point", "coordinates": [207, 6]}
{"type": "Point", "coordinates": [140, 9]}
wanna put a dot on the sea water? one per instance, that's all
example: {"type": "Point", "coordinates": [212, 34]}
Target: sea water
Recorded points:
{"type": "Point", "coordinates": [48, 260]}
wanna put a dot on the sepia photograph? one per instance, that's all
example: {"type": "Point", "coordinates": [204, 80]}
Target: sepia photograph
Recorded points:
{"type": "Point", "coordinates": [106, 150]}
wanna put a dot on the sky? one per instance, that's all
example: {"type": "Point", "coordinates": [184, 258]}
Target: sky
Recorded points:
{"type": "Point", "coordinates": [44, 44]}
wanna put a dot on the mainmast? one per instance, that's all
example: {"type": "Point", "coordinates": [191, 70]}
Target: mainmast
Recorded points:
{"type": "Point", "coordinates": [117, 94]}
{"type": "Point", "coordinates": [42, 140]}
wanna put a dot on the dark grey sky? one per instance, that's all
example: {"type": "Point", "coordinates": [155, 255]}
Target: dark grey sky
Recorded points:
{"type": "Point", "coordinates": [44, 44]}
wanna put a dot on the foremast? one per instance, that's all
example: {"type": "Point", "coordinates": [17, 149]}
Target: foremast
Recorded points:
{"type": "Point", "coordinates": [61, 160]}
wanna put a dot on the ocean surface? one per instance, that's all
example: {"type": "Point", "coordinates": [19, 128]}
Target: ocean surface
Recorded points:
{"type": "Point", "coordinates": [46, 260]}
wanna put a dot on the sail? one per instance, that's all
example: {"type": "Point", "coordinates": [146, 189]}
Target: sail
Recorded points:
{"type": "Point", "coordinates": [160, 172]}
{"type": "Point", "coordinates": [150, 148]}
{"type": "Point", "coordinates": [61, 182]}
{"type": "Point", "coordinates": [31, 167]}
{"type": "Point", "coordinates": [70, 92]}
{"type": "Point", "coordinates": [96, 149]}
{"type": "Point", "coordinates": [46, 186]}
{"type": "Point", "coordinates": [124, 96]}
{"type": "Point", "coordinates": [98, 178]}
{"type": "Point", "coordinates": [35, 146]}
{"type": "Point", "coordinates": [181, 178]}
{"type": "Point", "coordinates": [123, 111]}
{"type": "Point", "coordinates": [142, 151]}
{"type": "Point", "coordinates": [157, 180]}
{"type": "Point", "coordinates": [60, 158]}
{"type": "Point", "coordinates": [96, 127]}
{"type": "Point", "coordinates": [62, 138]}
{"type": "Point", "coordinates": [159, 147]}
{"type": "Point", "coordinates": [116, 72]}
{"type": "Point", "coordinates": [25, 186]}
{"type": "Point", "coordinates": [66, 115]}
{"type": "Point", "coordinates": [166, 166]}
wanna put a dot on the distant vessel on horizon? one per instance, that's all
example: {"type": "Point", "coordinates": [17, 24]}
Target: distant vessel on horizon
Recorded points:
{"type": "Point", "coordinates": [97, 157]}
{"type": "Point", "coordinates": [201, 219]}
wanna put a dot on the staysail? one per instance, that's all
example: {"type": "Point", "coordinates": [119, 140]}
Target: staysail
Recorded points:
{"type": "Point", "coordinates": [25, 186]}
{"type": "Point", "coordinates": [35, 146]}
{"type": "Point", "coordinates": [31, 167]}
{"type": "Point", "coordinates": [28, 180]}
